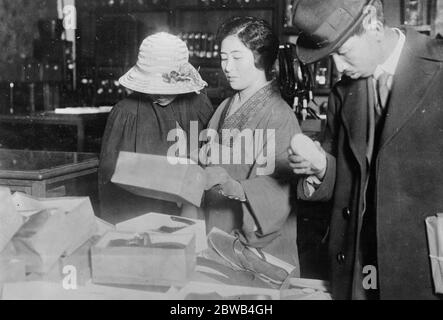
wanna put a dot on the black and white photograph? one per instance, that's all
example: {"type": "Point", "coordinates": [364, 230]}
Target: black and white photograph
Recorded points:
{"type": "Point", "coordinates": [221, 157]}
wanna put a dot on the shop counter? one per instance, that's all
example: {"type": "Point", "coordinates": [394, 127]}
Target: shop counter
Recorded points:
{"type": "Point", "coordinates": [49, 174]}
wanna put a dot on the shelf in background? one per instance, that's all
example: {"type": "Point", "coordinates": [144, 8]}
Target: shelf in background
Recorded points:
{"type": "Point", "coordinates": [130, 21]}
{"type": "Point", "coordinates": [226, 7]}
{"type": "Point", "coordinates": [422, 28]}
{"type": "Point", "coordinates": [205, 62]}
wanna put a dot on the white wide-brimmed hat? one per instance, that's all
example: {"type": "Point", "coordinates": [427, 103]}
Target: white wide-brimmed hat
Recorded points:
{"type": "Point", "coordinates": [163, 68]}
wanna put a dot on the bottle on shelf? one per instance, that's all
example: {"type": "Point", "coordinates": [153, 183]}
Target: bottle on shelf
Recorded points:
{"type": "Point", "coordinates": [191, 39]}
{"type": "Point", "coordinates": [201, 45]}
{"type": "Point", "coordinates": [210, 46]}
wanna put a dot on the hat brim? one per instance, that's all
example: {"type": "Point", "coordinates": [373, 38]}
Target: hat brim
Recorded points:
{"type": "Point", "coordinates": [307, 54]}
{"type": "Point", "coordinates": [155, 84]}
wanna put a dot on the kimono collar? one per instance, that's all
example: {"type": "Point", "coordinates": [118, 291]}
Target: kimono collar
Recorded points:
{"type": "Point", "coordinates": [253, 105]}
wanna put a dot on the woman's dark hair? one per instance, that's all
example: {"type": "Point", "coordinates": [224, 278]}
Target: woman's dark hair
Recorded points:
{"type": "Point", "coordinates": [257, 35]}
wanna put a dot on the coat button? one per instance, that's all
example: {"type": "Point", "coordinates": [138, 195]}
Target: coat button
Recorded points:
{"type": "Point", "coordinates": [341, 258]}
{"type": "Point", "coordinates": [346, 213]}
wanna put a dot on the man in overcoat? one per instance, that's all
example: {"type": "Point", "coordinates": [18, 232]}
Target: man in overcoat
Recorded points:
{"type": "Point", "coordinates": [383, 159]}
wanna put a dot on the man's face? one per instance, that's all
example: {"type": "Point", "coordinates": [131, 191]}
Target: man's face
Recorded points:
{"type": "Point", "coordinates": [358, 56]}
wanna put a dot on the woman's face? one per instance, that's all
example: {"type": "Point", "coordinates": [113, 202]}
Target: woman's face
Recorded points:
{"type": "Point", "coordinates": [237, 62]}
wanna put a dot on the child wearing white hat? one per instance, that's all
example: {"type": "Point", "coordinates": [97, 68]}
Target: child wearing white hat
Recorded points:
{"type": "Point", "coordinates": [167, 94]}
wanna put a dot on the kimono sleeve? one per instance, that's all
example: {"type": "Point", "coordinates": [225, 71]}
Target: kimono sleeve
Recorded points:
{"type": "Point", "coordinates": [269, 202]}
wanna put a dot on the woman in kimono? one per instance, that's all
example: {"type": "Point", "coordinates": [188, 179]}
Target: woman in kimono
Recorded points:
{"type": "Point", "coordinates": [251, 198]}
{"type": "Point", "coordinates": [166, 96]}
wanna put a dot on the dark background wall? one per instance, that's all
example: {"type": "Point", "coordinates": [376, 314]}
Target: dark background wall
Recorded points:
{"type": "Point", "coordinates": [18, 28]}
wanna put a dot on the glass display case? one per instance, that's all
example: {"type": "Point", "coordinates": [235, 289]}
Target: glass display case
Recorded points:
{"type": "Point", "coordinates": [49, 174]}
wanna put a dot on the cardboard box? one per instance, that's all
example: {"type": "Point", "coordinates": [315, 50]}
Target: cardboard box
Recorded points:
{"type": "Point", "coordinates": [79, 221]}
{"type": "Point", "coordinates": [42, 240]}
{"type": "Point", "coordinates": [77, 266]}
{"type": "Point", "coordinates": [161, 223]}
{"type": "Point", "coordinates": [434, 228]}
{"type": "Point", "coordinates": [166, 260]}
{"type": "Point", "coordinates": [158, 177]}
{"type": "Point", "coordinates": [12, 268]}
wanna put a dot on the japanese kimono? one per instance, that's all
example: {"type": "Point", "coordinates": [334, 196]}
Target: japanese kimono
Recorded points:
{"type": "Point", "coordinates": [262, 220]}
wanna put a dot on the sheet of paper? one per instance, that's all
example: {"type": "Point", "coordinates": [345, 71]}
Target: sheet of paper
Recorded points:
{"type": "Point", "coordinates": [38, 290]}
{"type": "Point", "coordinates": [227, 291]}
{"type": "Point", "coordinates": [26, 205]}
{"type": "Point", "coordinates": [103, 226]}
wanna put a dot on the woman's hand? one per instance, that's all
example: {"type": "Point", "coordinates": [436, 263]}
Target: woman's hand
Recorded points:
{"type": "Point", "coordinates": [202, 156]}
{"type": "Point", "coordinates": [216, 176]}
{"type": "Point", "coordinates": [228, 187]}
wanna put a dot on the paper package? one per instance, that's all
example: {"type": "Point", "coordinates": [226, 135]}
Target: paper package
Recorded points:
{"type": "Point", "coordinates": [160, 177]}
{"type": "Point", "coordinates": [80, 219]}
{"type": "Point", "coordinates": [80, 259]}
{"type": "Point", "coordinates": [42, 240]}
{"type": "Point", "coordinates": [77, 266]}
{"type": "Point", "coordinates": [128, 258]}
{"type": "Point", "coordinates": [434, 226]}
{"type": "Point", "coordinates": [54, 227]}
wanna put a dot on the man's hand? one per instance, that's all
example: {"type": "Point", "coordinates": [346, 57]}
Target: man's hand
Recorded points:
{"type": "Point", "coordinates": [307, 157]}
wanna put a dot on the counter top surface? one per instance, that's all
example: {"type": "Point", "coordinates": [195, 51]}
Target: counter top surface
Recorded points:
{"type": "Point", "coordinates": [52, 116]}
{"type": "Point", "coordinates": [40, 165]}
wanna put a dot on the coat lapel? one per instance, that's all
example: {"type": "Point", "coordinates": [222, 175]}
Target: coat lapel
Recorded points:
{"type": "Point", "coordinates": [355, 118]}
{"type": "Point", "coordinates": [413, 77]}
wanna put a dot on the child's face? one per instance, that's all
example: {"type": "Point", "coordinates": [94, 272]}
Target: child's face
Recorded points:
{"type": "Point", "coordinates": [163, 100]}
